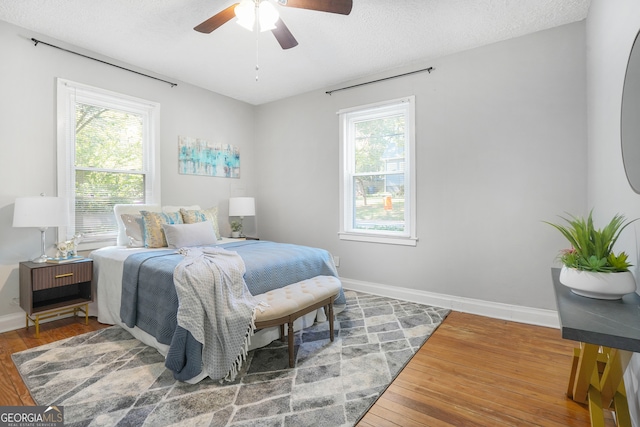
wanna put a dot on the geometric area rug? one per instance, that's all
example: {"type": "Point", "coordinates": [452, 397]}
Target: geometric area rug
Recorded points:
{"type": "Point", "coordinates": [108, 378]}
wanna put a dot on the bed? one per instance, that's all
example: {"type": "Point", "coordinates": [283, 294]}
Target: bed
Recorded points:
{"type": "Point", "coordinates": [135, 287]}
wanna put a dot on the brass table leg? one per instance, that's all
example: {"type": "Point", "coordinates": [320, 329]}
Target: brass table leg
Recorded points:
{"type": "Point", "coordinates": [600, 388]}
{"type": "Point", "coordinates": [54, 313]}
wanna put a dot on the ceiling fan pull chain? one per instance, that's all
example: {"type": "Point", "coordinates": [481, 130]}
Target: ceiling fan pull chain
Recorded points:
{"type": "Point", "coordinates": [257, 31]}
{"type": "Point", "coordinates": [257, 57]}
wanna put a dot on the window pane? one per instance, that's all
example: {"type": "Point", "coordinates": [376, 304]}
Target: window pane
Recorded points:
{"type": "Point", "coordinates": [108, 138]}
{"type": "Point", "coordinates": [97, 192]}
{"type": "Point", "coordinates": [379, 202]}
{"type": "Point", "coordinates": [378, 143]}
{"type": "Point", "coordinates": [379, 147]}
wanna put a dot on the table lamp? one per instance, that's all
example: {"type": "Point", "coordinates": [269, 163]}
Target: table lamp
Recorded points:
{"type": "Point", "coordinates": [241, 207]}
{"type": "Point", "coordinates": [40, 212]}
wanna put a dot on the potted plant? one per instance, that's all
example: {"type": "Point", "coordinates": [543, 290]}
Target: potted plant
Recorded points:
{"type": "Point", "coordinates": [590, 267]}
{"type": "Point", "coordinates": [236, 228]}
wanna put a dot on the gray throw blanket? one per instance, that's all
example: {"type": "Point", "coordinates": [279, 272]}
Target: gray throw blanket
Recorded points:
{"type": "Point", "coordinates": [216, 306]}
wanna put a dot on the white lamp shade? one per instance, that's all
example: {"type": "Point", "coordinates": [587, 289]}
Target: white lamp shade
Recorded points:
{"type": "Point", "coordinates": [266, 13]}
{"type": "Point", "coordinates": [242, 206]}
{"type": "Point", "coordinates": [246, 13]}
{"type": "Point", "coordinates": [40, 212]}
{"type": "Point", "coordinates": [268, 16]}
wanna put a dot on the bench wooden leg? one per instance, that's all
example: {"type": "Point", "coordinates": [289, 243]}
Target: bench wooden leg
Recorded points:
{"type": "Point", "coordinates": [331, 320]}
{"type": "Point", "coordinates": [282, 332]}
{"type": "Point", "coordinates": [291, 361]}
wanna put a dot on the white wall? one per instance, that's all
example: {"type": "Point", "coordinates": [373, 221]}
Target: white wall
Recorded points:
{"type": "Point", "coordinates": [495, 127]}
{"type": "Point", "coordinates": [28, 144]}
{"type": "Point", "coordinates": [611, 29]}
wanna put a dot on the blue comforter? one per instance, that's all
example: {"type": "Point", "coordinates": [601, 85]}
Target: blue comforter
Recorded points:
{"type": "Point", "coordinates": [150, 301]}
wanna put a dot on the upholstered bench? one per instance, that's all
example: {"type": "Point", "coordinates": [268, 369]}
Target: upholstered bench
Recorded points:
{"type": "Point", "coordinates": [290, 302]}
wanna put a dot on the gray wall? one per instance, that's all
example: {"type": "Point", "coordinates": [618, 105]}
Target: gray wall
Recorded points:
{"type": "Point", "coordinates": [28, 144]}
{"type": "Point", "coordinates": [495, 127]}
{"type": "Point", "coordinates": [611, 30]}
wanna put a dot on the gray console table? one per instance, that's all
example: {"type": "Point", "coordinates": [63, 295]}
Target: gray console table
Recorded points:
{"type": "Point", "coordinates": [608, 333]}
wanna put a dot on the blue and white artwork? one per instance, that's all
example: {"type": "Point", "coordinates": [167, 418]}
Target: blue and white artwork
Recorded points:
{"type": "Point", "coordinates": [199, 157]}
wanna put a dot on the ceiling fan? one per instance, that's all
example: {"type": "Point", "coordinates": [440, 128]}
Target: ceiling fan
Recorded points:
{"type": "Point", "coordinates": [263, 15]}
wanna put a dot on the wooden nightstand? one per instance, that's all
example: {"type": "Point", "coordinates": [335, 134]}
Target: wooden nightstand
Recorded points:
{"type": "Point", "coordinates": [49, 290]}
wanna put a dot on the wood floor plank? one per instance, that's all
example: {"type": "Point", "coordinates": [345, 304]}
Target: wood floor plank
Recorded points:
{"type": "Point", "coordinates": [527, 356]}
{"type": "Point", "coordinates": [11, 342]}
{"type": "Point", "coordinates": [400, 412]}
{"type": "Point", "coordinates": [374, 420]}
{"type": "Point", "coordinates": [549, 340]}
{"type": "Point", "coordinates": [17, 392]}
{"type": "Point", "coordinates": [469, 379]}
{"type": "Point", "coordinates": [437, 408]}
{"type": "Point", "coordinates": [505, 406]}
{"type": "Point", "coordinates": [505, 366]}
{"type": "Point", "coordinates": [7, 384]}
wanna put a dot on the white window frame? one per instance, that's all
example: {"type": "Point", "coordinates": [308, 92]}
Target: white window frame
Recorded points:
{"type": "Point", "coordinates": [348, 117]}
{"type": "Point", "coordinates": [68, 94]}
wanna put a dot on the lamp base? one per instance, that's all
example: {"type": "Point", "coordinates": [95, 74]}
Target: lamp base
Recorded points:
{"type": "Point", "coordinates": [40, 259]}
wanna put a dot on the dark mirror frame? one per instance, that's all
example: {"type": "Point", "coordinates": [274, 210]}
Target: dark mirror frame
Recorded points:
{"type": "Point", "coordinates": [630, 118]}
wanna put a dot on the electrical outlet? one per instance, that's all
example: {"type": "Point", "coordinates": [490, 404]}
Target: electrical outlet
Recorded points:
{"type": "Point", "coordinates": [336, 260]}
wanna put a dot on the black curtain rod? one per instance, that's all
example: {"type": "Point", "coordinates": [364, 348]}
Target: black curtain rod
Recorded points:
{"type": "Point", "coordinates": [329, 92]}
{"type": "Point", "coordinates": [35, 41]}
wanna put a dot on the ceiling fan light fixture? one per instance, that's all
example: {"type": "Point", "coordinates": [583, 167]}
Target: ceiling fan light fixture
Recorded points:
{"type": "Point", "coordinates": [250, 11]}
{"type": "Point", "coordinates": [246, 14]}
{"type": "Point", "coordinates": [268, 16]}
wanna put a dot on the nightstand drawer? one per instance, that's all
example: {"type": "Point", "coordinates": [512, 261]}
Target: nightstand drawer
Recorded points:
{"type": "Point", "coordinates": [61, 275]}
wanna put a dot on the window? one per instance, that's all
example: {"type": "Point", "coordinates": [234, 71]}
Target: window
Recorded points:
{"type": "Point", "coordinates": [107, 154]}
{"type": "Point", "coordinates": [377, 190]}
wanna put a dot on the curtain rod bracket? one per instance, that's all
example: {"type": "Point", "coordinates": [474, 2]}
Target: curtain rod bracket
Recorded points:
{"type": "Point", "coordinates": [36, 41]}
{"type": "Point", "coordinates": [429, 70]}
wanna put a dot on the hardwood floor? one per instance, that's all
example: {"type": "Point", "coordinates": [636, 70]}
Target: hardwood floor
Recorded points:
{"type": "Point", "coordinates": [477, 371]}
{"type": "Point", "coordinates": [473, 371]}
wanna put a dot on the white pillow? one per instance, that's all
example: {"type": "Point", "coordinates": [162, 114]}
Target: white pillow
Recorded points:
{"type": "Point", "coordinates": [134, 228]}
{"type": "Point", "coordinates": [196, 234]}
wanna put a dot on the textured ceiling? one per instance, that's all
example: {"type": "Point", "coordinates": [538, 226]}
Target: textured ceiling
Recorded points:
{"type": "Point", "coordinates": [378, 35]}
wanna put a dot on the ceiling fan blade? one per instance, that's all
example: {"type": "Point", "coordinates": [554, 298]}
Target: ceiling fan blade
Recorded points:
{"type": "Point", "coordinates": [284, 36]}
{"type": "Point", "coordinates": [217, 20]}
{"type": "Point", "coordinates": [342, 7]}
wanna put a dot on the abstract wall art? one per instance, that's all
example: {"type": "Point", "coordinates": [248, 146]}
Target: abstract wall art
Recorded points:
{"type": "Point", "coordinates": [198, 157]}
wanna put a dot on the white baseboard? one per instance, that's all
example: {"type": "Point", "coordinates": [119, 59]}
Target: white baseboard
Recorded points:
{"type": "Point", "coordinates": [11, 322]}
{"type": "Point", "coordinates": [515, 313]}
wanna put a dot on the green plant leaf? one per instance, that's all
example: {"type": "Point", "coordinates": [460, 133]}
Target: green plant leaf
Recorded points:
{"type": "Point", "coordinates": [619, 263]}
{"type": "Point", "coordinates": [591, 248]}
{"type": "Point", "coordinates": [596, 264]}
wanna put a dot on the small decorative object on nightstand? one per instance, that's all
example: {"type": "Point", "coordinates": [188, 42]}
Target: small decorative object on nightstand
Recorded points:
{"type": "Point", "coordinates": [236, 228]}
{"type": "Point", "coordinates": [49, 290]}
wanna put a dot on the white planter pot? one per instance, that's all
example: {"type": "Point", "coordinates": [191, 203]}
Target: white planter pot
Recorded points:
{"type": "Point", "coordinates": [598, 285]}
{"type": "Point", "coordinates": [235, 234]}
